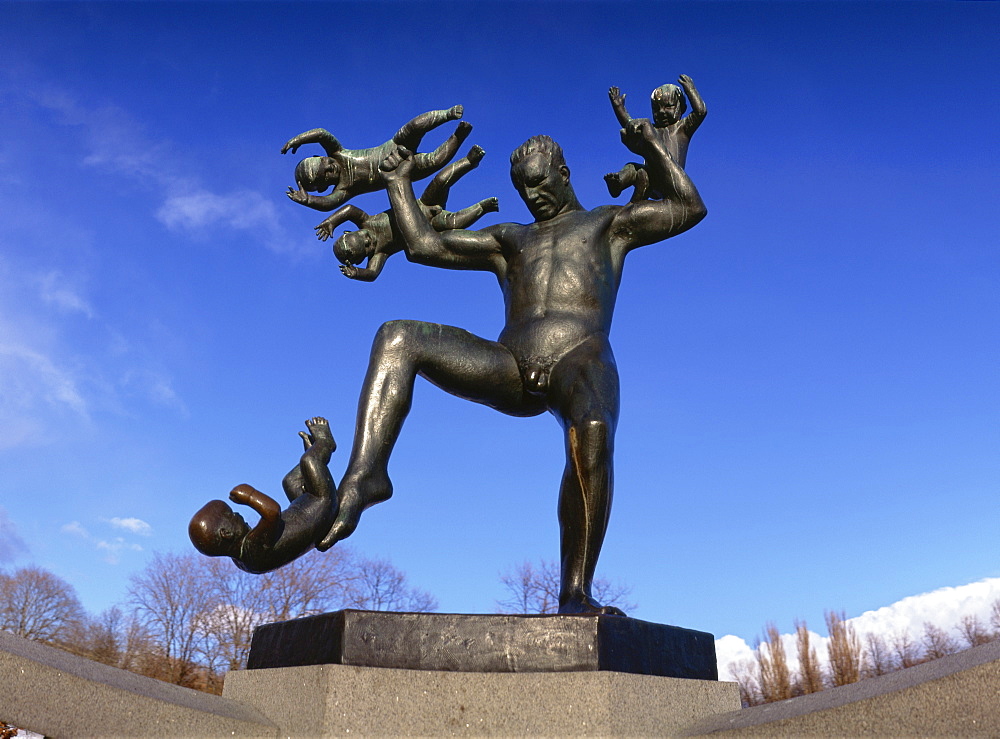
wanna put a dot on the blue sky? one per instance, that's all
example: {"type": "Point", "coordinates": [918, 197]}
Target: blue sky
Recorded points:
{"type": "Point", "coordinates": [809, 378]}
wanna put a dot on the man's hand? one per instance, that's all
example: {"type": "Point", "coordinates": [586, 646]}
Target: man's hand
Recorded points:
{"type": "Point", "coordinates": [397, 165]}
{"type": "Point", "coordinates": [637, 136]}
{"type": "Point", "coordinates": [299, 196]}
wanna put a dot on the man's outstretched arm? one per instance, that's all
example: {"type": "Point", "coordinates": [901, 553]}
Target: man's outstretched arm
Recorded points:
{"type": "Point", "coordinates": [650, 221]}
{"type": "Point", "coordinates": [456, 249]}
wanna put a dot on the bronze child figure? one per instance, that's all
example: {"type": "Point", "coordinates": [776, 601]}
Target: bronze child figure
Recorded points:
{"type": "Point", "coordinates": [280, 536]}
{"type": "Point", "coordinates": [356, 171]}
{"type": "Point", "coordinates": [377, 239]}
{"type": "Point", "coordinates": [672, 130]}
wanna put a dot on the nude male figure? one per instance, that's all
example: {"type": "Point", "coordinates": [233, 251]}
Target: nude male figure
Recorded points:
{"type": "Point", "coordinates": [559, 277]}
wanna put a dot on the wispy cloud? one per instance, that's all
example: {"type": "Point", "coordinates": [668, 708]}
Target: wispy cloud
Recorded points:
{"type": "Point", "coordinates": [110, 548]}
{"type": "Point", "coordinates": [118, 143]}
{"type": "Point", "coordinates": [944, 608]}
{"type": "Point", "coordinates": [134, 525]}
{"type": "Point", "coordinates": [11, 544]}
{"type": "Point", "coordinates": [54, 290]}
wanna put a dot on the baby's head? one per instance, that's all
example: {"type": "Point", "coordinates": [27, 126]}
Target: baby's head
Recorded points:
{"type": "Point", "coordinates": [217, 530]}
{"type": "Point", "coordinates": [353, 247]}
{"type": "Point", "coordinates": [668, 105]}
{"type": "Point", "coordinates": [315, 174]}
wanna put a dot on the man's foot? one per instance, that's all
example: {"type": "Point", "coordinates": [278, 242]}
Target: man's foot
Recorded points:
{"type": "Point", "coordinates": [584, 606]}
{"type": "Point", "coordinates": [455, 112]}
{"type": "Point", "coordinates": [475, 155]}
{"type": "Point", "coordinates": [490, 205]}
{"type": "Point", "coordinates": [614, 183]}
{"type": "Point", "coordinates": [355, 497]}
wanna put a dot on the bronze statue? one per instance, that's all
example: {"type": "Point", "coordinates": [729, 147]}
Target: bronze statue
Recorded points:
{"type": "Point", "coordinates": [376, 239]}
{"type": "Point", "coordinates": [559, 277]}
{"type": "Point", "coordinates": [673, 130]}
{"type": "Point", "coordinates": [280, 536]}
{"type": "Point", "coordinates": [355, 171]}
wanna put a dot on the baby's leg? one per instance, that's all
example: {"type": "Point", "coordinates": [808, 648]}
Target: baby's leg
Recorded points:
{"type": "Point", "coordinates": [466, 217]}
{"type": "Point", "coordinates": [641, 182]}
{"type": "Point", "coordinates": [316, 478]}
{"type": "Point", "coordinates": [425, 164]}
{"type": "Point", "coordinates": [413, 131]}
{"type": "Point", "coordinates": [618, 181]}
{"type": "Point", "coordinates": [437, 191]}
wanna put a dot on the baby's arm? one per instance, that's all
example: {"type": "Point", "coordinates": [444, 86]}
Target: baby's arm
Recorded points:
{"type": "Point", "coordinates": [266, 532]}
{"type": "Point", "coordinates": [351, 213]}
{"type": "Point", "coordinates": [698, 109]}
{"type": "Point", "coordinates": [366, 274]}
{"type": "Point", "coordinates": [618, 103]}
{"type": "Point", "coordinates": [316, 136]}
{"type": "Point", "coordinates": [318, 202]}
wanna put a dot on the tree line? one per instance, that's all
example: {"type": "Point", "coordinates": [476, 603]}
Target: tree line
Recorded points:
{"type": "Point", "coordinates": [767, 677]}
{"type": "Point", "coordinates": [188, 619]}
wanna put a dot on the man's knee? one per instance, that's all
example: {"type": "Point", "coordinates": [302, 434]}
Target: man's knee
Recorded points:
{"type": "Point", "coordinates": [393, 334]}
{"type": "Point", "coordinates": [591, 440]}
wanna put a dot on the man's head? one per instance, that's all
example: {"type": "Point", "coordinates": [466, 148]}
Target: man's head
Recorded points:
{"type": "Point", "coordinates": [353, 247]}
{"type": "Point", "coordinates": [217, 530]}
{"type": "Point", "coordinates": [539, 172]}
{"type": "Point", "coordinates": [668, 105]}
{"type": "Point", "coordinates": [315, 174]}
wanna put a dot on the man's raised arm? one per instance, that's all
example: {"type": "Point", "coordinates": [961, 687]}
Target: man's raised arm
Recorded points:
{"type": "Point", "coordinates": [650, 221]}
{"type": "Point", "coordinates": [455, 249]}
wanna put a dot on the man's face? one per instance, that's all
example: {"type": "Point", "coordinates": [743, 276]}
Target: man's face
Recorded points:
{"type": "Point", "coordinates": [543, 187]}
{"type": "Point", "coordinates": [668, 107]}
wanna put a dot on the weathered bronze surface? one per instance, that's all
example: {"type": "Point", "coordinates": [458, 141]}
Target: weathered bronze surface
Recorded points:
{"type": "Point", "coordinates": [559, 277]}
{"type": "Point", "coordinates": [485, 643]}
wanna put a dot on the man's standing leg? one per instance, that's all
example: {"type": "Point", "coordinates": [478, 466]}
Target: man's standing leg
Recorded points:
{"type": "Point", "coordinates": [584, 394]}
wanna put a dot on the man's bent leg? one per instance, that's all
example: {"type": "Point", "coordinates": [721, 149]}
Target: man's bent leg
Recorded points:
{"type": "Point", "coordinates": [583, 393]}
{"type": "Point", "coordinates": [453, 359]}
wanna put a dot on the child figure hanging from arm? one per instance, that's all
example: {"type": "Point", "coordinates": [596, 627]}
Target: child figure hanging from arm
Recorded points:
{"type": "Point", "coordinates": [376, 239]}
{"type": "Point", "coordinates": [355, 171]}
{"type": "Point", "coordinates": [280, 536]}
{"type": "Point", "coordinates": [673, 131]}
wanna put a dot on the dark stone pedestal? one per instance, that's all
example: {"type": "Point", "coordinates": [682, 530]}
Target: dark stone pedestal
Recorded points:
{"type": "Point", "coordinates": [485, 643]}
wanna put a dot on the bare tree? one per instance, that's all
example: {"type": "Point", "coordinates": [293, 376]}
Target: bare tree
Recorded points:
{"type": "Point", "coordinates": [973, 631]}
{"type": "Point", "coordinates": [810, 677]}
{"type": "Point", "coordinates": [36, 604]}
{"type": "Point", "coordinates": [844, 649]}
{"type": "Point", "coordinates": [745, 673]}
{"type": "Point", "coordinates": [379, 586]}
{"type": "Point", "coordinates": [171, 598]}
{"type": "Point", "coordinates": [906, 650]}
{"type": "Point", "coordinates": [775, 680]}
{"type": "Point", "coordinates": [534, 588]}
{"type": "Point", "coordinates": [880, 660]}
{"type": "Point", "coordinates": [937, 643]}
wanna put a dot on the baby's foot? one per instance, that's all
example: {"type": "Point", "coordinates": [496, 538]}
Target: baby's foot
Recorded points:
{"type": "Point", "coordinates": [490, 205]}
{"type": "Point", "coordinates": [455, 112]}
{"type": "Point", "coordinates": [463, 129]}
{"type": "Point", "coordinates": [319, 429]}
{"type": "Point", "coordinates": [615, 184]}
{"type": "Point", "coordinates": [476, 154]}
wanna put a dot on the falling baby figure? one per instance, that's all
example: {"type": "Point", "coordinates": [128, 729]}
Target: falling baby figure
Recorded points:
{"type": "Point", "coordinates": [281, 535]}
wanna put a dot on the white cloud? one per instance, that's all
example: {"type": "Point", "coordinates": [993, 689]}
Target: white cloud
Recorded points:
{"type": "Point", "coordinates": [134, 525]}
{"type": "Point", "coordinates": [944, 608]}
{"type": "Point", "coordinates": [197, 212]}
{"type": "Point", "coordinates": [110, 548]}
